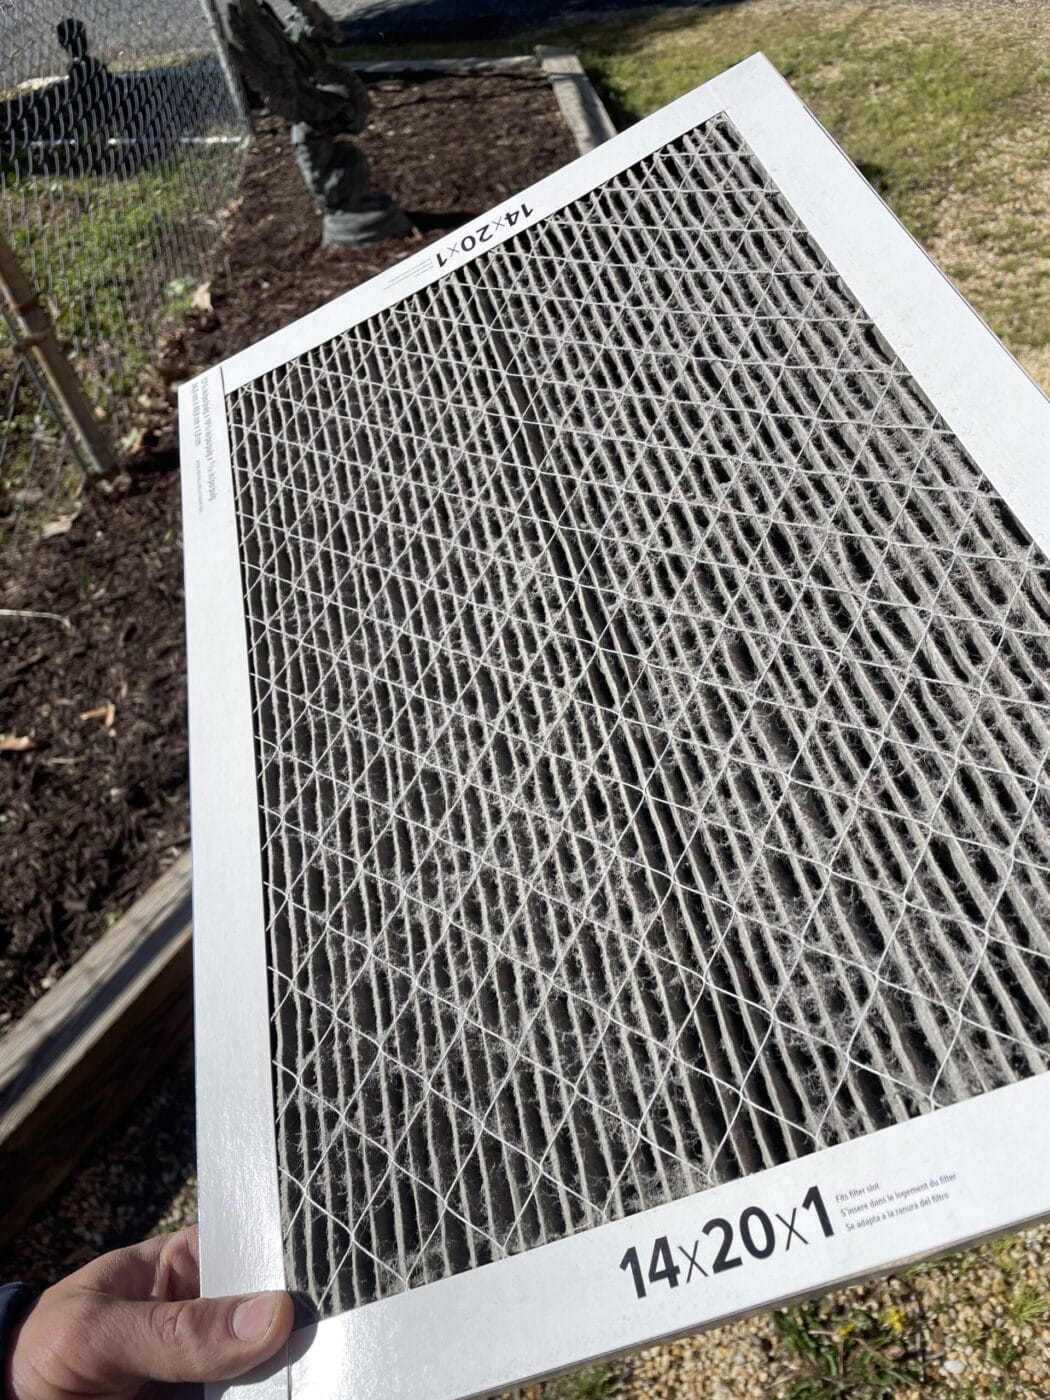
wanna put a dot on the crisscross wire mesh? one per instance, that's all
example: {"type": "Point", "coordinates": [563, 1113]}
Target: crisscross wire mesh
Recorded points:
{"type": "Point", "coordinates": [36, 445]}
{"type": "Point", "coordinates": [121, 140]}
{"type": "Point", "coordinates": [652, 724]}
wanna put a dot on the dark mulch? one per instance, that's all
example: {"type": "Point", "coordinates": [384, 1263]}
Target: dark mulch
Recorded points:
{"type": "Point", "coordinates": [138, 1181]}
{"type": "Point", "coordinates": [91, 815]}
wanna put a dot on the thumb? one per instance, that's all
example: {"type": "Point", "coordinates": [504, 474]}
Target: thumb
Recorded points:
{"type": "Point", "coordinates": [202, 1339]}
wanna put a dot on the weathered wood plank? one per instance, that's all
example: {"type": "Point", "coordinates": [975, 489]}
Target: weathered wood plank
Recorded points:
{"type": "Point", "coordinates": [89, 1046]}
{"type": "Point", "coordinates": [582, 108]}
{"type": "Point", "coordinates": [442, 67]}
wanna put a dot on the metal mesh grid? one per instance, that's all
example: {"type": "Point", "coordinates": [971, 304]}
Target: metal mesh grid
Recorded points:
{"type": "Point", "coordinates": [37, 449]}
{"type": "Point", "coordinates": [652, 727]}
{"type": "Point", "coordinates": [122, 137]}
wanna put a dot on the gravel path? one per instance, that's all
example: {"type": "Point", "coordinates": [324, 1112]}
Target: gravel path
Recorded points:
{"type": "Point", "coordinates": [973, 1324]}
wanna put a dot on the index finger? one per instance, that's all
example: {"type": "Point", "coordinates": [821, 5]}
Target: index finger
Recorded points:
{"type": "Point", "coordinates": [163, 1267]}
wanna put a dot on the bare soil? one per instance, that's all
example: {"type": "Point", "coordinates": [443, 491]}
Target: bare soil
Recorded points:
{"type": "Point", "coordinates": [95, 809]}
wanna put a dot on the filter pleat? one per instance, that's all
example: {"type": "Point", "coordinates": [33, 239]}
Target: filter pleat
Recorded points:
{"type": "Point", "coordinates": [652, 728]}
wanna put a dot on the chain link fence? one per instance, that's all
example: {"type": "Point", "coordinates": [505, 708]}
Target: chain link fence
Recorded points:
{"type": "Point", "coordinates": [38, 449]}
{"type": "Point", "coordinates": [122, 133]}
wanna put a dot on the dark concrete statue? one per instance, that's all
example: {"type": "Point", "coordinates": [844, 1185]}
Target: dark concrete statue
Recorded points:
{"type": "Point", "coordinates": [289, 67]}
{"type": "Point", "coordinates": [91, 93]}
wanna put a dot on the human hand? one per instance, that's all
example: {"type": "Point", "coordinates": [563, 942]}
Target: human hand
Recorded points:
{"type": "Point", "coordinates": [134, 1316]}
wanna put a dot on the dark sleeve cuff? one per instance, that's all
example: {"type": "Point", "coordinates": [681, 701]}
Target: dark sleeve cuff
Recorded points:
{"type": "Point", "coordinates": [15, 1301]}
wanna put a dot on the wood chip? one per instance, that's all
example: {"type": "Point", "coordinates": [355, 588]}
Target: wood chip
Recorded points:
{"type": "Point", "coordinates": [202, 297]}
{"type": "Point", "coordinates": [107, 713]}
{"type": "Point", "coordinates": [31, 612]}
{"type": "Point", "coordinates": [16, 743]}
{"type": "Point", "coordinates": [132, 441]}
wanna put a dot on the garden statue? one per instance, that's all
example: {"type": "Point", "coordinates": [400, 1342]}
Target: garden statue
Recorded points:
{"type": "Point", "coordinates": [91, 93]}
{"type": "Point", "coordinates": [288, 66]}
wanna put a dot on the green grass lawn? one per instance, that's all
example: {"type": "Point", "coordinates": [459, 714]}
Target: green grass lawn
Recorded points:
{"type": "Point", "coordinates": [117, 257]}
{"type": "Point", "coordinates": [116, 260]}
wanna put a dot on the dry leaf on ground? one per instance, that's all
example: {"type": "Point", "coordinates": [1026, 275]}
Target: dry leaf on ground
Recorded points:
{"type": "Point", "coordinates": [61, 526]}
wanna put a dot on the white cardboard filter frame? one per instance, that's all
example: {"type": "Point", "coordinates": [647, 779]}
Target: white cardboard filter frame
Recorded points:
{"type": "Point", "coordinates": [927, 1185]}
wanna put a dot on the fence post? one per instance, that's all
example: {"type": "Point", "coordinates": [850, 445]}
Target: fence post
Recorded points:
{"type": "Point", "coordinates": [36, 337]}
{"type": "Point", "coordinates": [233, 78]}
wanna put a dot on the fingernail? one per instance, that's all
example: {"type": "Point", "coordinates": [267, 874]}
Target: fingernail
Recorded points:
{"type": "Point", "coordinates": [252, 1318]}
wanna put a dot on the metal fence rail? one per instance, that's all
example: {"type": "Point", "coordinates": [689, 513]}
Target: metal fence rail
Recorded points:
{"type": "Point", "coordinates": [121, 137]}
{"type": "Point", "coordinates": [38, 450]}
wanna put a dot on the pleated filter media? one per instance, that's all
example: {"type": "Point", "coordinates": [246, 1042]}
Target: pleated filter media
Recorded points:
{"type": "Point", "coordinates": [619, 656]}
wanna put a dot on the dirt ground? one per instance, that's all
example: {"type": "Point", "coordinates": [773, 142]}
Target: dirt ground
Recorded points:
{"type": "Point", "coordinates": [96, 804]}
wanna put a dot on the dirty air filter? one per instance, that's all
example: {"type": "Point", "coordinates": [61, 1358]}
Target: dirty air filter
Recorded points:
{"type": "Point", "coordinates": [619, 641]}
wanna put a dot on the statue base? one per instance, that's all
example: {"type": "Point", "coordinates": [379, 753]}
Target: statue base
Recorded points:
{"type": "Point", "coordinates": [375, 217]}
